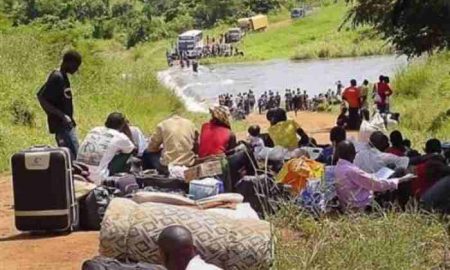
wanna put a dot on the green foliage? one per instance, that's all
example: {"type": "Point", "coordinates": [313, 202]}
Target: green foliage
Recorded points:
{"type": "Point", "coordinates": [110, 79]}
{"type": "Point", "coordinates": [413, 26]}
{"type": "Point", "coordinates": [422, 96]}
{"type": "Point", "coordinates": [21, 114]}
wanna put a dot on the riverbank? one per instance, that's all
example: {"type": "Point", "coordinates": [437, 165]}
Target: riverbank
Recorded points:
{"type": "Point", "coordinates": [315, 36]}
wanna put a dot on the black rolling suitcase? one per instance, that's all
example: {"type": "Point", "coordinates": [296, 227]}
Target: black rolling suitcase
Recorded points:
{"type": "Point", "coordinates": [44, 198]}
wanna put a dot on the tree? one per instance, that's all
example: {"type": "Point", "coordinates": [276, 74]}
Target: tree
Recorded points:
{"type": "Point", "coordinates": [413, 27]}
{"type": "Point", "coordinates": [262, 6]}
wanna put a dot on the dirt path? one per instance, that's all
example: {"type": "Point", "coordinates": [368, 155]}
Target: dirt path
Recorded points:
{"type": "Point", "coordinates": [23, 251]}
{"type": "Point", "coordinates": [316, 125]}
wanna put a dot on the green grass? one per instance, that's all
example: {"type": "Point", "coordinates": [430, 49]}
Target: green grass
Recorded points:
{"type": "Point", "coordinates": [315, 36]}
{"type": "Point", "coordinates": [380, 241]}
{"type": "Point", "coordinates": [422, 96]}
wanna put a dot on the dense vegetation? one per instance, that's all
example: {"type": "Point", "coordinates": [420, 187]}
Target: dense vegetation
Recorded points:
{"type": "Point", "coordinates": [413, 26]}
{"type": "Point", "coordinates": [136, 20]}
{"type": "Point", "coordinates": [423, 97]}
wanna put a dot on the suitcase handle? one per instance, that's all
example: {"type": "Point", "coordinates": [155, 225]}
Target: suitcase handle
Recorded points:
{"type": "Point", "coordinates": [39, 147]}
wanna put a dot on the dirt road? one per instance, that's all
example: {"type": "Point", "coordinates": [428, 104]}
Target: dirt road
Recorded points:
{"type": "Point", "coordinates": [23, 251]}
{"type": "Point", "coordinates": [316, 125]}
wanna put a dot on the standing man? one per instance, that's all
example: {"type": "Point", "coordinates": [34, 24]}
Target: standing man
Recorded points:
{"type": "Point", "coordinates": [55, 98]}
{"type": "Point", "coordinates": [365, 114]}
{"type": "Point", "coordinates": [352, 96]}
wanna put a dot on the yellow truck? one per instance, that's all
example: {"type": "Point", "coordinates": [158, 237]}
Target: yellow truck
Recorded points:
{"type": "Point", "coordinates": [255, 23]}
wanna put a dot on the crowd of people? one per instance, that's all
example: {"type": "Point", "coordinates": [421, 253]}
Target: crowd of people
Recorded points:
{"type": "Point", "coordinates": [214, 47]}
{"type": "Point", "coordinates": [176, 141]}
{"type": "Point", "coordinates": [357, 99]}
{"type": "Point", "coordinates": [245, 103]}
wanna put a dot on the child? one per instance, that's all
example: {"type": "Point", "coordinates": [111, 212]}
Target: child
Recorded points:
{"type": "Point", "coordinates": [342, 119]}
{"type": "Point", "coordinates": [254, 139]}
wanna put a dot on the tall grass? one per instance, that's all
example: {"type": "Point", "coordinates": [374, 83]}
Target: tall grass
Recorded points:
{"type": "Point", "coordinates": [380, 241]}
{"type": "Point", "coordinates": [110, 79]}
{"type": "Point", "coordinates": [422, 96]}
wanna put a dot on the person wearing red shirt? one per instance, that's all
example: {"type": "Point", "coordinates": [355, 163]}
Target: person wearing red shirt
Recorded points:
{"type": "Point", "coordinates": [352, 95]}
{"type": "Point", "coordinates": [216, 137]}
{"type": "Point", "coordinates": [382, 92]}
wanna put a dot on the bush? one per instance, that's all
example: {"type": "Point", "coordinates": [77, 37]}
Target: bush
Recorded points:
{"type": "Point", "coordinates": [103, 29]}
{"type": "Point", "coordinates": [21, 114]}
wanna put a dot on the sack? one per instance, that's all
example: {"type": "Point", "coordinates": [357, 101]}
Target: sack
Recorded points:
{"type": "Point", "coordinates": [200, 189]}
{"type": "Point", "coordinates": [296, 173]}
{"type": "Point", "coordinates": [126, 183]}
{"type": "Point", "coordinates": [103, 263]}
{"type": "Point", "coordinates": [226, 243]}
{"type": "Point", "coordinates": [319, 197]}
{"type": "Point", "coordinates": [94, 205]}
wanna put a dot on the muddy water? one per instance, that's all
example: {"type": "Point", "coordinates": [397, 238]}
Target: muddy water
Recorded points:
{"type": "Point", "coordinates": [199, 90]}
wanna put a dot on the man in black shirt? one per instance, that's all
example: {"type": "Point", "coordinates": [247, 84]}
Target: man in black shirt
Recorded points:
{"type": "Point", "coordinates": [55, 98]}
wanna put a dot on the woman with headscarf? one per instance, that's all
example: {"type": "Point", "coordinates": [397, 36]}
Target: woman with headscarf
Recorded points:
{"type": "Point", "coordinates": [216, 137]}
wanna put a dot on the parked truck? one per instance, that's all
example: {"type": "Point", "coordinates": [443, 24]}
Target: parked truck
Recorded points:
{"type": "Point", "coordinates": [234, 35]}
{"type": "Point", "coordinates": [255, 23]}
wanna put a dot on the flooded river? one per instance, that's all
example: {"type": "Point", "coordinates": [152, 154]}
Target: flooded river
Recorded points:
{"type": "Point", "coordinates": [200, 90]}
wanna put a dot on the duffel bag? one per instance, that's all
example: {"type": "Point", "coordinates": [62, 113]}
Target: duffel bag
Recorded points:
{"type": "Point", "coordinates": [104, 263]}
{"type": "Point", "coordinates": [125, 182]}
{"type": "Point", "coordinates": [93, 207]}
{"type": "Point", "coordinates": [161, 182]}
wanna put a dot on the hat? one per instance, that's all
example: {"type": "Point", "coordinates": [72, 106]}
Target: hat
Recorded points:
{"type": "Point", "coordinates": [222, 114]}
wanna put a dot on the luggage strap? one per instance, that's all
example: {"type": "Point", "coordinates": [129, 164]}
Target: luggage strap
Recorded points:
{"type": "Point", "coordinates": [42, 213]}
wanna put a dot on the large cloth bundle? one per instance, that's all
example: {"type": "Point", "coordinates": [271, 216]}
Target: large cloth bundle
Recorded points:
{"type": "Point", "coordinates": [296, 172]}
{"type": "Point", "coordinates": [130, 231]}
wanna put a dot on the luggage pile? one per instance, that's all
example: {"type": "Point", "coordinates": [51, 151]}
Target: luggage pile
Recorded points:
{"type": "Point", "coordinates": [54, 194]}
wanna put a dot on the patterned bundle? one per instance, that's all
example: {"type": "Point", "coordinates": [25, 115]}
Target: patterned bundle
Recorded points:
{"type": "Point", "coordinates": [130, 231]}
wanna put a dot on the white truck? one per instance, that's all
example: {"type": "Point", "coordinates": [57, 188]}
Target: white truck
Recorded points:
{"type": "Point", "coordinates": [190, 43]}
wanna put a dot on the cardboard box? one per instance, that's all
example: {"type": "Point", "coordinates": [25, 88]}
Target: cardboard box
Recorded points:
{"type": "Point", "coordinates": [204, 170]}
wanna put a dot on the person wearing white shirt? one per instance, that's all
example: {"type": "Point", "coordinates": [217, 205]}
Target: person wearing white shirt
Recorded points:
{"type": "Point", "coordinates": [104, 146]}
{"type": "Point", "coordinates": [178, 252]}
{"type": "Point", "coordinates": [139, 140]}
{"type": "Point", "coordinates": [371, 157]}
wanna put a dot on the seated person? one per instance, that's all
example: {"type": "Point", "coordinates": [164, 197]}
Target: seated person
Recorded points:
{"type": "Point", "coordinates": [105, 150]}
{"type": "Point", "coordinates": [178, 136]}
{"type": "Point", "coordinates": [411, 153]}
{"type": "Point", "coordinates": [177, 250]}
{"type": "Point", "coordinates": [437, 198]}
{"type": "Point", "coordinates": [282, 131]}
{"type": "Point", "coordinates": [354, 187]}
{"type": "Point", "coordinates": [342, 120]}
{"type": "Point", "coordinates": [371, 156]}
{"type": "Point", "coordinates": [254, 139]}
{"type": "Point", "coordinates": [428, 169]}
{"type": "Point", "coordinates": [337, 135]}
{"type": "Point", "coordinates": [139, 140]}
{"type": "Point", "coordinates": [216, 137]}
{"type": "Point", "coordinates": [397, 148]}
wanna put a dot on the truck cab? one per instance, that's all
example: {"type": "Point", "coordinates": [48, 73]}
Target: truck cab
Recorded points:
{"type": "Point", "coordinates": [298, 13]}
{"type": "Point", "coordinates": [190, 43]}
{"type": "Point", "coordinates": [234, 35]}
